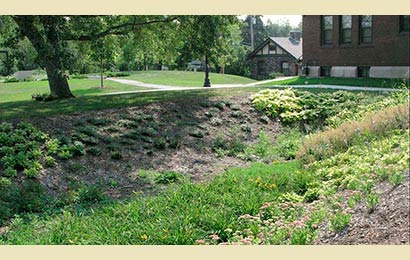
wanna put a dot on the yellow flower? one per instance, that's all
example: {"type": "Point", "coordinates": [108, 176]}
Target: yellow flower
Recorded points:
{"type": "Point", "coordinates": [144, 237]}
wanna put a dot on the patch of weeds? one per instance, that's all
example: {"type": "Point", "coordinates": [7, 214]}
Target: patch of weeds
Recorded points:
{"type": "Point", "coordinates": [91, 140]}
{"type": "Point", "coordinates": [196, 133]}
{"type": "Point", "coordinates": [148, 131]}
{"type": "Point", "coordinates": [352, 200]}
{"type": "Point", "coordinates": [174, 142]}
{"type": "Point", "coordinates": [98, 121]}
{"type": "Point", "coordinates": [246, 128]}
{"type": "Point", "coordinates": [133, 134]}
{"type": "Point", "coordinates": [125, 123]}
{"type": "Point", "coordinates": [76, 168]}
{"type": "Point", "coordinates": [65, 152]}
{"type": "Point", "coordinates": [88, 130]}
{"type": "Point", "coordinates": [148, 117]}
{"type": "Point", "coordinates": [49, 161]}
{"type": "Point", "coordinates": [168, 177]}
{"type": "Point", "coordinates": [146, 139]}
{"type": "Point", "coordinates": [235, 107]}
{"type": "Point", "coordinates": [160, 143]}
{"type": "Point", "coordinates": [230, 146]}
{"type": "Point", "coordinates": [113, 128]}
{"type": "Point", "coordinates": [372, 200]}
{"type": "Point", "coordinates": [382, 173]}
{"type": "Point", "coordinates": [287, 144]}
{"type": "Point", "coordinates": [339, 221]}
{"type": "Point", "coordinates": [212, 112]}
{"type": "Point", "coordinates": [237, 114]}
{"type": "Point", "coordinates": [116, 155]}
{"type": "Point", "coordinates": [216, 121]}
{"type": "Point", "coordinates": [220, 105]}
{"type": "Point", "coordinates": [396, 179]}
{"type": "Point", "coordinates": [262, 149]}
{"type": "Point", "coordinates": [94, 151]}
{"type": "Point", "coordinates": [78, 148]}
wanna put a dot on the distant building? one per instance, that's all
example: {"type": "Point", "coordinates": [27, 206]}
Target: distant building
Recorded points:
{"type": "Point", "coordinates": [276, 54]}
{"type": "Point", "coordinates": [356, 45]}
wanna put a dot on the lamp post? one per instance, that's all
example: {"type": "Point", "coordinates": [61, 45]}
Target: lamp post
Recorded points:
{"type": "Point", "coordinates": [207, 82]}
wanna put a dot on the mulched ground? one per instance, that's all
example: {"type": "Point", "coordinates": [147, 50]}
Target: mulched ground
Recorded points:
{"type": "Point", "coordinates": [182, 120]}
{"type": "Point", "coordinates": [388, 224]}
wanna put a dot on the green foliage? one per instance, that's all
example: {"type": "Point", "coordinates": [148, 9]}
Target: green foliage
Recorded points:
{"type": "Point", "coordinates": [228, 145]}
{"type": "Point", "coordinates": [168, 177]}
{"type": "Point", "coordinates": [324, 144]}
{"type": "Point", "coordinates": [42, 97]}
{"type": "Point", "coordinates": [279, 103]}
{"type": "Point", "coordinates": [339, 221]}
{"type": "Point", "coordinates": [287, 144]}
{"type": "Point", "coordinates": [396, 179]}
{"type": "Point", "coordinates": [17, 199]}
{"type": "Point", "coordinates": [372, 200]}
{"type": "Point", "coordinates": [24, 148]}
{"type": "Point", "coordinates": [116, 155]}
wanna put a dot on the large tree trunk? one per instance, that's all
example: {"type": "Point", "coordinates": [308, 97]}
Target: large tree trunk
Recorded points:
{"type": "Point", "coordinates": [50, 49]}
{"type": "Point", "coordinates": [58, 83]}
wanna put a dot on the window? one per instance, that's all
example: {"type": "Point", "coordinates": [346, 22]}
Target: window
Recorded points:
{"type": "Point", "coordinates": [404, 23]}
{"type": "Point", "coordinates": [346, 29]}
{"type": "Point", "coordinates": [363, 72]}
{"type": "Point", "coordinates": [272, 49]}
{"type": "Point", "coordinates": [325, 71]}
{"type": "Point", "coordinates": [327, 29]}
{"type": "Point", "coordinates": [366, 27]}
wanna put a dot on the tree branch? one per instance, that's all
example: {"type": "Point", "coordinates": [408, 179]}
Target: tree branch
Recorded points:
{"type": "Point", "coordinates": [118, 30]}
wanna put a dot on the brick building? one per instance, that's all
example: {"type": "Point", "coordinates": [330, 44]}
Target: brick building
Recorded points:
{"type": "Point", "coordinates": [276, 54]}
{"type": "Point", "coordinates": [356, 45]}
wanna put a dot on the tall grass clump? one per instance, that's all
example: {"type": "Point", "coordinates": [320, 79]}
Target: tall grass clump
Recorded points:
{"type": "Point", "coordinates": [327, 143]}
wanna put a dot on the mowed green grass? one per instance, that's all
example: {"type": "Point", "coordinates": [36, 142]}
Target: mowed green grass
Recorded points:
{"type": "Point", "coordinates": [80, 87]}
{"type": "Point", "coordinates": [31, 108]}
{"type": "Point", "coordinates": [186, 78]}
{"type": "Point", "coordinates": [362, 82]}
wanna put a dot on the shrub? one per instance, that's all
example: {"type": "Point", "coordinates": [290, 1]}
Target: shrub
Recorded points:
{"type": "Point", "coordinates": [279, 103]}
{"type": "Point", "coordinates": [396, 179]}
{"type": "Point", "coordinates": [10, 80]}
{"type": "Point", "coordinates": [117, 74]}
{"type": "Point", "coordinates": [274, 75]}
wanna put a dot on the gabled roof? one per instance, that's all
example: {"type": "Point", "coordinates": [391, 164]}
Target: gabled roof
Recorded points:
{"type": "Point", "coordinates": [290, 45]}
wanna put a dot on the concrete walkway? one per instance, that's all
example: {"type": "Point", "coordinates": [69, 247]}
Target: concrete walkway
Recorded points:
{"type": "Point", "coordinates": [156, 87]}
{"type": "Point", "coordinates": [170, 87]}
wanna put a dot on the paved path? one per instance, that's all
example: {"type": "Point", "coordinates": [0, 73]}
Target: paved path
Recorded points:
{"type": "Point", "coordinates": [170, 87]}
{"type": "Point", "coordinates": [156, 87]}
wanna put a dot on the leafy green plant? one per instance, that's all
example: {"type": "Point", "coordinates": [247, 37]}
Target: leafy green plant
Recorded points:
{"type": "Point", "coordinates": [372, 200]}
{"type": "Point", "coordinates": [116, 155]}
{"type": "Point", "coordinates": [287, 144]}
{"type": "Point", "coordinates": [168, 177]}
{"type": "Point", "coordinates": [396, 179]}
{"type": "Point", "coordinates": [339, 221]}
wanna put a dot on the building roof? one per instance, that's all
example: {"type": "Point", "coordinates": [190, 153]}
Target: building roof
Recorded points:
{"type": "Point", "coordinates": [290, 45]}
{"type": "Point", "coordinates": [294, 47]}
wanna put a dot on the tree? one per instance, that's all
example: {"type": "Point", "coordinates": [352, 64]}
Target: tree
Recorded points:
{"type": "Point", "coordinates": [204, 34]}
{"type": "Point", "coordinates": [279, 29]}
{"type": "Point", "coordinates": [259, 31]}
{"type": "Point", "coordinates": [49, 35]}
{"type": "Point", "coordinates": [104, 51]}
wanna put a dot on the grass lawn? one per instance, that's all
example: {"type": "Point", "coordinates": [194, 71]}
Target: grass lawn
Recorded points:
{"type": "Point", "coordinates": [86, 102]}
{"type": "Point", "coordinates": [365, 82]}
{"type": "Point", "coordinates": [21, 91]}
{"type": "Point", "coordinates": [186, 78]}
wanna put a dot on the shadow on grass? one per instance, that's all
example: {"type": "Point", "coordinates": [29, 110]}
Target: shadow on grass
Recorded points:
{"type": "Point", "coordinates": [24, 109]}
